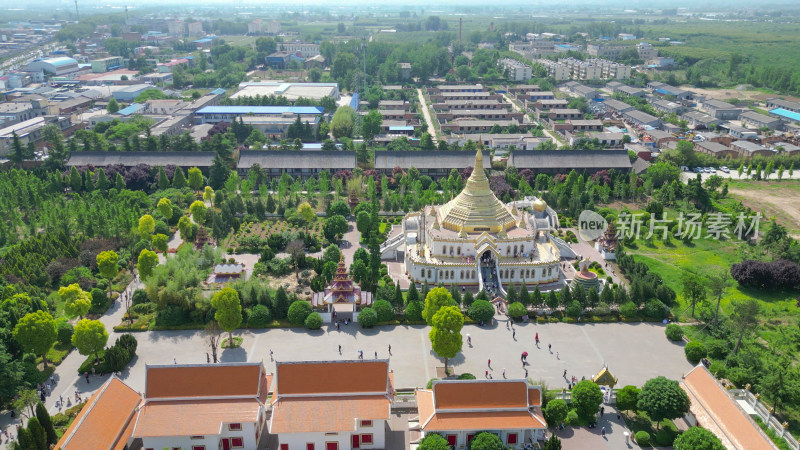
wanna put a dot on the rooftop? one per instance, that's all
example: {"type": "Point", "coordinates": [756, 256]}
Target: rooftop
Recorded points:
{"type": "Point", "coordinates": [153, 159]}
{"type": "Point", "coordinates": [260, 110]}
{"type": "Point", "coordinates": [196, 381]}
{"type": "Point", "coordinates": [785, 113]}
{"type": "Point", "coordinates": [331, 160]}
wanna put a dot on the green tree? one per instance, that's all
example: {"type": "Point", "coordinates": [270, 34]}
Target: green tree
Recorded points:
{"type": "Point", "coordinates": [47, 423]}
{"type": "Point", "coordinates": [697, 438]}
{"type": "Point", "coordinates": [198, 210]}
{"type": "Point", "coordinates": [555, 412]}
{"type": "Point", "coordinates": [335, 227]}
{"type": "Point", "coordinates": [107, 265]}
{"type": "Point", "coordinates": [744, 319]}
{"type": "Point", "coordinates": [185, 228]}
{"type": "Point", "coordinates": [436, 299]}
{"type": "Point", "coordinates": [179, 179]}
{"type": "Point", "coordinates": [26, 401]}
{"type": "Point", "coordinates": [433, 441]}
{"type": "Point", "coordinates": [38, 434]}
{"type": "Point", "coordinates": [25, 440]}
{"type": "Point", "coordinates": [229, 310]}
{"type": "Point", "coordinates": [161, 242]}
{"type": "Point", "coordinates": [384, 310]}
{"type": "Point", "coordinates": [516, 310]}
{"type": "Point", "coordinates": [481, 311]}
{"type": "Point", "coordinates": [487, 441]}
{"type": "Point", "coordinates": [446, 332]}
{"type": "Point", "coordinates": [627, 398]}
{"type": "Point", "coordinates": [364, 223]}
{"type": "Point", "coordinates": [195, 179]}
{"type": "Point", "coordinates": [586, 398]}
{"type": "Point", "coordinates": [147, 260]}
{"type": "Point", "coordinates": [298, 312]}
{"type": "Point", "coordinates": [165, 208]}
{"type": "Point", "coordinates": [208, 195]}
{"type": "Point", "coordinates": [112, 106]}
{"type": "Point", "coordinates": [36, 333]}
{"type": "Point", "coordinates": [662, 398]}
{"type": "Point", "coordinates": [90, 337]}
{"type": "Point", "coordinates": [367, 318]}
{"type": "Point", "coordinates": [307, 213]}
{"type": "Point", "coordinates": [554, 443]}
{"type": "Point", "coordinates": [413, 294]}
{"type": "Point", "coordinates": [371, 125]}
{"type": "Point", "coordinates": [693, 289]}
{"type": "Point", "coordinates": [76, 300]}
{"type": "Point", "coordinates": [343, 122]}
{"type": "Point", "coordinates": [146, 226]}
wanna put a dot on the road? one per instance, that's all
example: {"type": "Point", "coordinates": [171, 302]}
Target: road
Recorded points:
{"type": "Point", "coordinates": [423, 105]}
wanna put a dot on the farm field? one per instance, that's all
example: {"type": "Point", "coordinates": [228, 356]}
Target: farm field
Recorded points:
{"type": "Point", "coordinates": [778, 200]}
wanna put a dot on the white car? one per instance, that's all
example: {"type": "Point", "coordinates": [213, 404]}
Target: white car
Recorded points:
{"type": "Point", "coordinates": [712, 170]}
{"type": "Point", "coordinates": [725, 169]}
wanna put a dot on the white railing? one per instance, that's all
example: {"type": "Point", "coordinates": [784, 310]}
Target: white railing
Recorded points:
{"type": "Point", "coordinates": [392, 243]}
{"type": "Point", "coordinates": [764, 414]}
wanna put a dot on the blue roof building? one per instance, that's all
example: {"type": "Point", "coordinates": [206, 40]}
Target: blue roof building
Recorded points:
{"type": "Point", "coordinates": [786, 114]}
{"type": "Point", "coordinates": [131, 109]}
{"type": "Point", "coordinates": [214, 114]}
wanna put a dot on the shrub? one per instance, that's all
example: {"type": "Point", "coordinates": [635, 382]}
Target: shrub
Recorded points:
{"type": "Point", "coordinates": [674, 332]}
{"type": "Point", "coordinates": [666, 436]}
{"type": "Point", "coordinates": [572, 418]}
{"type": "Point", "coordinates": [128, 342]}
{"type": "Point", "coordinates": [718, 369]}
{"type": "Point", "coordinates": [555, 412]}
{"type": "Point", "coordinates": [628, 310]}
{"type": "Point", "coordinates": [314, 321]}
{"type": "Point", "coordinates": [414, 312]}
{"type": "Point", "coordinates": [99, 301]}
{"type": "Point", "coordinates": [64, 333]}
{"type": "Point", "coordinates": [695, 351]}
{"type": "Point", "coordinates": [516, 310]}
{"type": "Point", "coordinates": [384, 310]}
{"type": "Point", "coordinates": [481, 311]}
{"type": "Point", "coordinates": [642, 438]}
{"type": "Point", "coordinates": [139, 296]}
{"type": "Point", "coordinates": [116, 358]}
{"type": "Point", "coordinates": [466, 376]}
{"type": "Point", "coordinates": [170, 316]}
{"type": "Point", "coordinates": [574, 309]}
{"type": "Point", "coordinates": [367, 317]}
{"type": "Point", "coordinates": [259, 317]}
{"type": "Point", "coordinates": [298, 312]}
{"type": "Point", "coordinates": [717, 348]}
{"type": "Point", "coordinates": [602, 310]}
{"type": "Point", "coordinates": [775, 274]}
{"type": "Point", "coordinates": [655, 310]}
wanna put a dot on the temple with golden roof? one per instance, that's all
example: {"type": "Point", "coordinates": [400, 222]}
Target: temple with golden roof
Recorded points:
{"type": "Point", "coordinates": [342, 295]}
{"type": "Point", "coordinates": [477, 240]}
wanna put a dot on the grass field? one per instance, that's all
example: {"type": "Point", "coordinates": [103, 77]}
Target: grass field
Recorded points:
{"type": "Point", "coordinates": [774, 199]}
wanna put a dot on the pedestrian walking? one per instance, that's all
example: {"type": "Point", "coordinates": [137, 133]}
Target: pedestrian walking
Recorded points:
{"type": "Point", "coordinates": [557, 357]}
{"type": "Point", "coordinates": [390, 349]}
{"type": "Point", "coordinates": [270, 355]}
{"type": "Point", "coordinates": [537, 338]}
{"type": "Point", "coordinates": [340, 349]}
{"type": "Point", "coordinates": [603, 432]}
{"type": "Point", "coordinates": [565, 374]}
{"type": "Point", "coordinates": [376, 355]}
{"type": "Point", "coordinates": [361, 354]}
{"type": "Point", "coordinates": [550, 348]}
{"type": "Point", "coordinates": [208, 359]}
{"type": "Point", "coordinates": [602, 410]}
{"type": "Point", "coordinates": [514, 335]}
{"type": "Point", "coordinates": [174, 361]}
{"type": "Point", "coordinates": [86, 375]}
{"type": "Point", "coordinates": [486, 374]}
{"type": "Point", "coordinates": [469, 340]}
{"type": "Point", "coordinates": [526, 373]}
{"type": "Point", "coordinates": [490, 363]}
{"type": "Point", "coordinates": [504, 372]}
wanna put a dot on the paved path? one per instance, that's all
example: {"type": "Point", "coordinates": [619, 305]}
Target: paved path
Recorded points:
{"type": "Point", "coordinates": [423, 105]}
{"type": "Point", "coordinates": [581, 438]}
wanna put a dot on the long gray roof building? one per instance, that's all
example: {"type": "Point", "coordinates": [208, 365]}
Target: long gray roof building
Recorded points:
{"type": "Point", "coordinates": [153, 159]}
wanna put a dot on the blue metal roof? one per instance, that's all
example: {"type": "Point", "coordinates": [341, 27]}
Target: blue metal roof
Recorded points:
{"type": "Point", "coordinates": [217, 91]}
{"type": "Point", "coordinates": [404, 128]}
{"type": "Point", "coordinates": [785, 113]}
{"type": "Point", "coordinates": [131, 109]}
{"type": "Point", "coordinates": [261, 110]}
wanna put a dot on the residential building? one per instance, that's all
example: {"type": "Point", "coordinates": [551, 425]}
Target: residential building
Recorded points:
{"type": "Point", "coordinates": [289, 91]}
{"type": "Point", "coordinates": [605, 51]}
{"type": "Point", "coordinates": [524, 141]}
{"type": "Point", "coordinates": [646, 51]}
{"type": "Point", "coordinates": [740, 132]}
{"type": "Point", "coordinates": [16, 112]}
{"type": "Point", "coordinates": [579, 125]}
{"type": "Point", "coordinates": [660, 88]}
{"type": "Point", "coordinates": [516, 70]}
{"type": "Point", "coordinates": [164, 107]}
{"type": "Point", "coordinates": [273, 27]}
{"type": "Point", "coordinates": [331, 405]}
{"type": "Point", "coordinates": [617, 107]}
{"type": "Point", "coordinates": [468, 125]}
{"type": "Point", "coordinates": [560, 72]}
{"type": "Point", "coordinates": [460, 409]}
{"type": "Point", "coordinates": [607, 139]}
{"type": "Point", "coordinates": [301, 164]}
{"type": "Point", "coordinates": [405, 70]}
{"type": "Point", "coordinates": [304, 49]}
{"type": "Point", "coordinates": [756, 120]}
{"type": "Point", "coordinates": [445, 88]}
{"type": "Point", "coordinates": [714, 409]}
{"type": "Point", "coordinates": [626, 36]}
{"type": "Point", "coordinates": [278, 60]}
{"type": "Point", "coordinates": [749, 149]}
{"type": "Point", "coordinates": [661, 62]}
{"type": "Point", "coordinates": [214, 114]}
{"type": "Point", "coordinates": [275, 127]}
{"type": "Point", "coordinates": [29, 131]}
{"type": "Point", "coordinates": [446, 96]}
{"type": "Point", "coordinates": [548, 104]}
{"type": "Point", "coordinates": [54, 66]}
{"type": "Point", "coordinates": [194, 28]}
{"type": "Point", "coordinates": [450, 105]}
{"type": "Point", "coordinates": [583, 91]}
{"type": "Point", "coordinates": [667, 107]}
{"type": "Point", "coordinates": [775, 103]}
{"type": "Point", "coordinates": [106, 64]}
{"type": "Point", "coordinates": [629, 91]}
{"type": "Point", "coordinates": [658, 138]}
{"type": "Point", "coordinates": [721, 110]}
{"type": "Point", "coordinates": [563, 161]}
{"type": "Point", "coordinates": [128, 93]}
{"type": "Point", "coordinates": [785, 148]}
{"type": "Point", "coordinates": [700, 120]}
{"type": "Point", "coordinates": [176, 27]}
{"type": "Point", "coordinates": [533, 49]}
{"type": "Point", "coordinates": [564, 114]}
{"type": "Point", "coordinates": [255, 26]}
{"type": "Point", "coordinates": [640, 118]}
{"type": "Point", "coordinates": [715, 149]}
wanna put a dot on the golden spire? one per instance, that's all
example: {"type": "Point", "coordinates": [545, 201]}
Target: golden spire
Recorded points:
{"type": "Point", "coordinates": [462, 234]}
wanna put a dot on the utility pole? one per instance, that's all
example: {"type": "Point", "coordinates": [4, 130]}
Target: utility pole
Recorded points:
{"type": "Point", "coordinates": [77, 14]}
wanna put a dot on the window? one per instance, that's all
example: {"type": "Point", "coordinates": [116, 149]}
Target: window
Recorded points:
{"type": "Point", "coordinates": [197, 437]}
{"type": "Point", "coordinates": [511, 438]}
{"type": "Point", "coordinates": [366, 423]}
{"type": "Point", "coordinates": [237, 442]}
{"type": "Point", "coordinates": [234, 426]}
{"type": "Point", "coordinates": [366, 439]}
{"type": "Point", "coordinates": [198, 447]}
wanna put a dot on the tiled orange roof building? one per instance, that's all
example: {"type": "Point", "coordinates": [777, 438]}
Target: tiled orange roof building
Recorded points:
{"type": "Point", "coordinates": [715, 410]}
{"type": "Point", "coordinates": [459, 409]}
{"type": "Point", "coordinates": [337, 405]}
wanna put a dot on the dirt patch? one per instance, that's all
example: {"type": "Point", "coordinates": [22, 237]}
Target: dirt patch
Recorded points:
{"type": "Point", "coordinates": [782, 203]}
{"type": "Point", "coordinates": [289, 283]}
{"type": "Point", "coordinates": [728, 94]}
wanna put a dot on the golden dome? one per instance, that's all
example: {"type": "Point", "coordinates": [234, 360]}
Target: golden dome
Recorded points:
{"type": "Point", "coordinates": [539, 205]}
{"type": "Point", "coordinates": [476, 208]}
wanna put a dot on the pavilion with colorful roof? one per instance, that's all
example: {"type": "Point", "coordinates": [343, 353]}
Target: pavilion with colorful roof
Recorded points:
{"type": "Point", "coordinates": [342, 295]}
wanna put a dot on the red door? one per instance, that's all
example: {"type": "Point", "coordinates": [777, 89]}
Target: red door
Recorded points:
{"type": "Point", "coordinates": [356, 441]}
{"type": "Point", "coordinates": [226, 444]}
{"type": "Point", "coordinates": [310, 446]}
{"type": "Point", "coordinates": [451, 440]}
{"type": "Point", "coordinates": [331, 446]}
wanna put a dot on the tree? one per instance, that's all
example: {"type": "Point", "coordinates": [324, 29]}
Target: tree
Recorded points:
{"type": "Point", "coordinates": [185, 228]}
{"type": "Point", "coordinates": [697, 438]}
{"type": "Point", "coordinates": [195, 179]}
{"type": "Point", "coordinates": [229, 310]}
{"type": "Point", "coordinates": [364, 223]}
{"type": "Point", "coordinates": [179, 179]}
{"type": "Point", "coordinates": [371, 125]}
{"type": "Point", "coordinates": [38, 434]}
{"type": "Point", "coordinates": [36, 333]}
{"type": "Point", "coordinates": [781, 382]}
{"type": "Point", "coordinates": [481, 311]}
{"type": "Point", "coordinates": [112, 106]}
{"type": "Point", "coordinates": [343, 122]}
{"type": "Point", "coordinates": [627, 398]}
{"type": "Point", "coordinates": [487, 441]}
{"type": "Point", "coordinates": [76, 300]}
{"type": "Point", "coordinates": [744, 319]}
{"type": "Point", "coordinates": [165, 208]}
{"type": "Point", "coordinates": [161, 242]}
{"type": "Point", "coordinates": [146, 226]}
{"type": "Point", "coordinates": [367, 318]}
{"type": "Point", "coordinates": [307, 213]}
{"type": "Point", "coordinates": [586, 398]}
{"type": "Point", "coordinates": [90, 337]}
{"type": "Point", "coordinates": [208, 195]}
{"type": "Point", "coordinates": [26, 401]}
{"type": "Point", "coordinates": [433, 441]}
{"type": "Point", "coordinates": [717, 284]}
{"type": "Point", "coordinates": [107, 265]}
{"type": "Point", "coordinates": [212, 331]}
{"type": "Point", "coordinates": [335, 227]}
{"type": "Point", "coordinates": [148, 259]}
{"type": "Point", "coordinates": [555, 412]}
{"type": "Point", "coordinates": [693, 289]}
{"type": "Point", "coordinates": [338, 208]}
{"type": "Point", "coordinates": [47, 423]}
{"type": "Point", "coordinates": [554, 443]}
{"type": "Point", "coordinates": [662, 398]}
{"type": "Point", "coordinates": [445, 335]}
{"type": "Point", "coordinates": [436, 299]}
{"type": "Point", "coordinates": [516, 310]}
{"type": "Point", "coordinates": [384, 310]}
{"type": "Point", "coordinates": [298, 312]}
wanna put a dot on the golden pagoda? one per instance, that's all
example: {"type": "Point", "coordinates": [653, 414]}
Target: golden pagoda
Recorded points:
{"type": "Point", "coordinates": [476, 208]}
{"type": "Point", "coordinates": [342, 291]}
